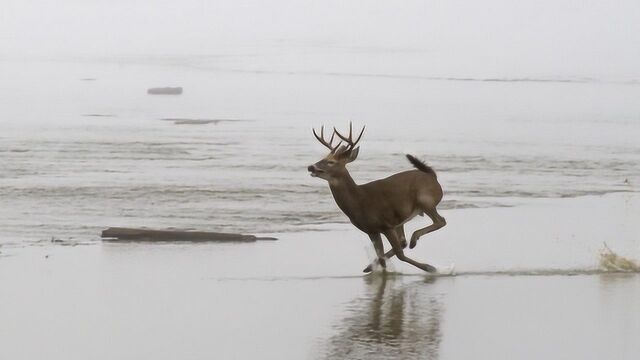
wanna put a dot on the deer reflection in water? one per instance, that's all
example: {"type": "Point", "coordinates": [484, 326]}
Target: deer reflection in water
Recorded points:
{"type": "Point", "coordinates": [395, 320]}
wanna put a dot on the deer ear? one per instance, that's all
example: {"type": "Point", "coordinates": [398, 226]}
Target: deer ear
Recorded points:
{"type": "Point", "coordinates": [353, 154]}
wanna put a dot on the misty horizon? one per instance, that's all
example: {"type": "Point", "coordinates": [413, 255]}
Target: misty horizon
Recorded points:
{"type": "Point", "coordinates": [495, 39]}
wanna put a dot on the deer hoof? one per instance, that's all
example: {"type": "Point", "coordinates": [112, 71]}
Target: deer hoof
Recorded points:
{"type": "Point", "coordinates": [414, 241]}
{"type": "Point", "coordinates": [404, 244]}
{"type": "Point", "coordinates": [429, 268]}
{"type": "Point", "coordinates": [369, 268]}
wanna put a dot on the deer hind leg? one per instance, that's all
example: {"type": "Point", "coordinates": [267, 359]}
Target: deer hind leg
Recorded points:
{"type": "Point", "coordinates": [389, 254]}
{"type": "Point", "coordinates": [393, 238]}
{"type": "Point", "coordinates": [438, 222]}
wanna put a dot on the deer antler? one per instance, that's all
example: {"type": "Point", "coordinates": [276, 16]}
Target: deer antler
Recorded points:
{"type": "Point", "coordinates": [350, 143]}
{"type": "Point", "coordinates": [324, 142]}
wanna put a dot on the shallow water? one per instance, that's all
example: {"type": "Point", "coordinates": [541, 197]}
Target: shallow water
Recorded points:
{"type": "Point", "coordinates": [519, 290]}
{"type": "Point", "coordinates": [302, 297]}
{"type": "Point", "coordinates": [67, 173]}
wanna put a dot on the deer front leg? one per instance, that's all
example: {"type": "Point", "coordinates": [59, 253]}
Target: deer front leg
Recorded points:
{"type": "Point", "coordinates": [389, 254]}
{"type": "Point", "coordinates": [393, 238]}
{"type": "Point", "coordinates": [376, 239]}
{"type": "Point", "coordinates": [403, 239]}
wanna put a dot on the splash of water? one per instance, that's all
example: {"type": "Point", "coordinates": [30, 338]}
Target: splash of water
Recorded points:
{"type": "Point", "coordinates": [610, 261]}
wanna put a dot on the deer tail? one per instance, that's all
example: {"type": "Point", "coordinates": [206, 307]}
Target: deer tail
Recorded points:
{"type": "Point", "coordinates": [420, 165]}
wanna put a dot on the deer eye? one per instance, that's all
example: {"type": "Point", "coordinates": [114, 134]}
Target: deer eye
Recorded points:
{"type": "Point", "coordinates": [331, 162]}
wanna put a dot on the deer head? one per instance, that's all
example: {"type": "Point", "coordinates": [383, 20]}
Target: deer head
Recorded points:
{"type": "Point", "coordinates": [334, 164]}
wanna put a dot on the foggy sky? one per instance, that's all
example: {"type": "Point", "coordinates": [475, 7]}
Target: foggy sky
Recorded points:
{"type": "Point", "coordinates": [576, 38]}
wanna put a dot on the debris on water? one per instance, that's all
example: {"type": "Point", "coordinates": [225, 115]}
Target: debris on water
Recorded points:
{"type": "Point", "coordinates": [195, 121]}
{"type": "Point", "coordinates": [67, 242]}
{"type": "Point", "coordinates": [165, 91]}
{"type": "Point", "coordinates": [610, 261]}
{"type": "Point", "coordinates": [145, 235]}
{"type": "Point", "coordinates": [98, 115]}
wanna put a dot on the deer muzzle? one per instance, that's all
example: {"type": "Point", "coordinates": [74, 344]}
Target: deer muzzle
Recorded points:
{"type": "Point", "coordinates": [313, 170]}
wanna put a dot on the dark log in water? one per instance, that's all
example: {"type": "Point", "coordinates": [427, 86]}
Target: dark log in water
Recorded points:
{"type": "Point", "coordinates": [165, 91]}
{"type": "Point", "coordinates": [132, 234]}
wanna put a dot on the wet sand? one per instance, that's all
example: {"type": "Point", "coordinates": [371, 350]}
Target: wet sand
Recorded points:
{"type": "Point", "coordinates": [528, 287]}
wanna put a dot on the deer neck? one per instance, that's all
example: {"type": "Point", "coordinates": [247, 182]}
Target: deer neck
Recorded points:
{"type": "Point", "coordinates": [346, 193]}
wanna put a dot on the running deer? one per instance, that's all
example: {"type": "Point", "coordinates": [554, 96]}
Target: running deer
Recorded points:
{"type": "Point", "coordinates": [382, 206]}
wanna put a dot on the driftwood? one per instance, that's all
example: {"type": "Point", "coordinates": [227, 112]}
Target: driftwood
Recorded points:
{"type": "Point", "coordinates": [165, 91]}
{"type": "Point", "coordinates": [132, 234]}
